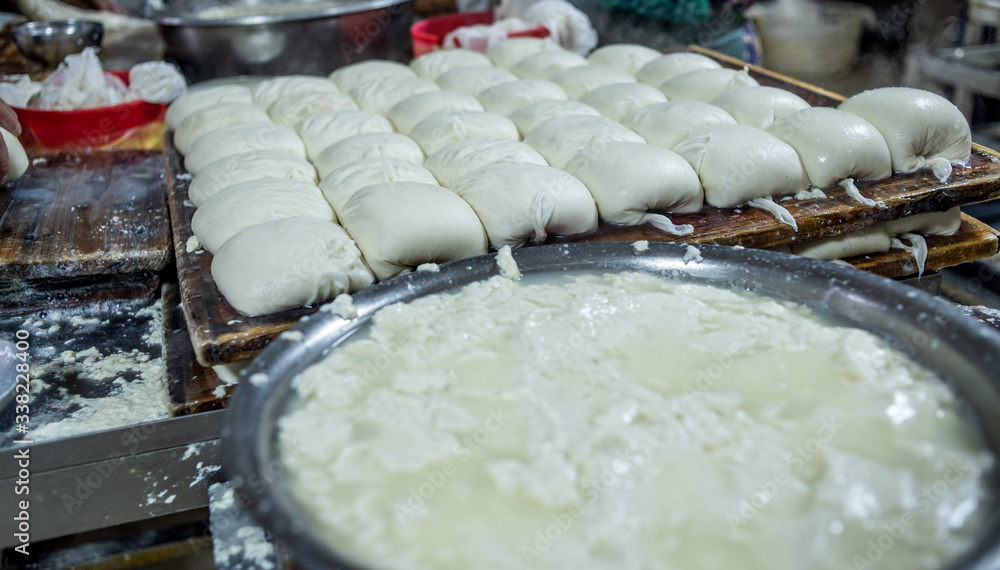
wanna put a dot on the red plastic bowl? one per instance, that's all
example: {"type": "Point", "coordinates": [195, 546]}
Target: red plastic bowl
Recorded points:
{"type": "Point", "coordinates": [85, 128]}
{"type": "Point", "coordinates": [428, 35]}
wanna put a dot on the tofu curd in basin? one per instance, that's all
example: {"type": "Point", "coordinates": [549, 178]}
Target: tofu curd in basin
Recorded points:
{"type": "Point", "coordinates": [628, 422]}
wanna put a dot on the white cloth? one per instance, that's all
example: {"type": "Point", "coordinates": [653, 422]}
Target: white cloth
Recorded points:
{"type": "Point", "coordinates": [80, 83]}
{"type": "Point", "coordinates": [156, 82]}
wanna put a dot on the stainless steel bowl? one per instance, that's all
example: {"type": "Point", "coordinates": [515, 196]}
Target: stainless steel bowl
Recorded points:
{"type": "Point", "coordinates": [963, 351]}
{"type": "Point", "coordinates": [207, 40]}
{"type": "Point", "coordinates": [50, 41]}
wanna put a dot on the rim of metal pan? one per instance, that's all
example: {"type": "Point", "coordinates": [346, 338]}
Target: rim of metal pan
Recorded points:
{"type": "Point", "coordinates": [965, 352]}
{"type": "Point", "coordinates": [325, 10]}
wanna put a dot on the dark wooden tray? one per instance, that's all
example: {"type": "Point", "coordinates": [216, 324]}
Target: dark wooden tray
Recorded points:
{"type": "Point", "coordinates": [220, 335]}
{"type": "Point", "coordinates": [86, 213]}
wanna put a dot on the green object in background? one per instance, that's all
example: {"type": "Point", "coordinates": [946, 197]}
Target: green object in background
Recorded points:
{"type": "Point", "coordinates": [688, 11]}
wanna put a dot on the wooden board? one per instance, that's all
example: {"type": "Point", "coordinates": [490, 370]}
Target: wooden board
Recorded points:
{"type": "Point", "coordinates": [193, 387]}
{"type": "Point", "coordinates": [221, 335]}
{"type": "Point", "coordinates": [92, 213]}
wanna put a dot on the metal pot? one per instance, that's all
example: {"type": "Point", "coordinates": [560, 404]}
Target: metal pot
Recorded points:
{"type": "Point", "coordinates": [207, 40]}
{"type": "Point", "coordinates": [961, 350]}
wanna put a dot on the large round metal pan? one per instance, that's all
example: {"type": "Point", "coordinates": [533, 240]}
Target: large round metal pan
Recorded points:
{"type": "Point", "coordinates": [962, 350]}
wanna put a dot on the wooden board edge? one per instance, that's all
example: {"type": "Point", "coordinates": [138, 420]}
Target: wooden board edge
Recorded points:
{"type": "Point", "coordinates": [772, 74]}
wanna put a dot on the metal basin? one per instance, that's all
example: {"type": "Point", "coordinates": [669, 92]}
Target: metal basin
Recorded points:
{"type": "Point", "coordinates": [208, 41]}
{"type": "Point", "coordinates": [50, 41]}
{"type": "Point", "coordinates": [963, 351]}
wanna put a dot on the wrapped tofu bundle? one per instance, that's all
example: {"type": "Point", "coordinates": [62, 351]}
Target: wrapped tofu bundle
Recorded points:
{"type": "Point", "coordinates": [562, 138]}
{"type": "Point", "coordinates": [739, 165]}
{"type": "Point", "coordinates": [292, 108]}
{"type": "Point", "coordinates": [242, 138]}
{"type": "Point", "coordinates": [945, 223]}
{"type": "Point", "coordinates": [270, 90]}
{"type": "Point", "coordinates": [472, 80]}
{"type": "Point", "coordinates": [204, 121]}
{"type": "Point", "coordinates": [666, 124]}
{"type": "Point", "coordinates": [462, 157]}
{"type": "Point", "coordinates": [836, 147]}
{"type": "Point", "coordinates": [201, 97]}
{"type": "Point", "coordinates": [506, 98]}
{"type": "Point", "coordinates": [578, 81]}
{"type": "Point", "coordinates": [759, 106]}
{"type": "Point", "coordinates": [437, 63]}
{"type": "Point", "coordinates": [629, 58]}
{"type": "Point", "coordinates": [507, 53]}
{"type": "Point", "coordinates": [245, 167]}
{"type": "Point", "coordinates": [80, 83]}
{"type": "Point", "coordinates": [629, 179]}
{"type": "Point", "coordinates": [341, 184]}
{"type": "Point", "coordinates": [666, 67]}
{"type": "Point", "coordinates": [922, 129]}
{"type": "Point", "coordinates": [429, 224]}
{"type": "Point", "coordinates": [620, 100]}
{"type": "Point", "coordinates": [869, 240]}
{"type": "Point", "coordinates": [249, 204]}
{"type": "Point", "coordinates": [445, 127]}
{"type": "Point", "coordinates": [288, 263]}
{"type": "Point", "coordinates": [547, 64]}
{"type": "Point", "coordinates": [368, 145]}
{"type": "Point", "coordinates": [521, 202]}
{"type": "Point", "coordinates": [380, 95]}
{"type": "Point", "coordinates": [706, 84]}
{"type": "Point", "coordinates": [530, 117]}
{"type": "Point", "coordinates": [354, 74]}
{"type": "Point", "coordinates": [407, 113]}
{"type": "Point", "coordinates": [322, 130]}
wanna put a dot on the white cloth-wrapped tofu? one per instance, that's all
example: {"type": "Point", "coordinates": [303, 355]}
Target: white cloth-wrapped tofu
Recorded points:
{"type": "Point", "coordinates": [620, 100]}
{"type": "Point", "coordinates": [629, 58]}
{"type": "Point", "coordinates": [547, 64]}
{"type": "Point", "coordinates": [506, 98]}
{"type": "Point", "coordinates": [507, 53]}
{"type": "Point", "coordinates": [201, 97]}
{"type": "Point", "coordinates": [245, 167]}
{"type": "Point", "coordinates": [445, 127]}
{"type": "Point", "coordinates": [248, 204]}
{"type": "Point", "coordinates": [407, 113]}
{"type": "Point", "coordinates": [322, 130]}
{"type": "Point", "coordinates": [530, 117]}
{"type": "Point", "coordinates": [629, 179]}
{"type": "Point", "coordinates": [341, 184]}
{"type": "Point", "coordinates": [706, 84]}
{"type": "Point", "coordinates": [288, 263]}
{"type": "Point", "coordinates": [521, 202]}
{"type": "Point", "coordinates": [270, 90]}
{"type": "Point", "coordinates": [204, 121]}
{"type": "Point", "coordinates": [368, 145]}
{"type": "Point", "coordinates": [922, 129]}
{"type": "Point", "coordinates": [401, 225]}
{"type": "Point", "coordinates": [578, 81]}
{"type": "Point", "coordinates": [241, 138]}
{"type": "Point", "coordinates": [437, 63]}
{"type": "Point", "coordinates": [472, 80]}
{"type": "Point", "coordinates": [18, 159]}
{"type": "Point", "coordinates": [380, 95]}
{"type": "Point", "coordinates": [666, 67]}
{"type": "Point", "coordinates": [759, 106]}
{"type": "Point", "coordinates": [462, 157]}
{"type": "Point", "coordinates": [562, 138]}
{"type": "Point", "coordinates": [869, 240]}
{"type": "Point", "coordinates": [737, 164]}
{"type": "Point", "coordinates": [352, 75]}
{"type": "Point", "coordinates": [666, 124]}
{"type": "Point", "coordinates": [291, 108]}
{"type": "Point", "coordinates": [944, 223]}
{"type": "Point", "coordinates": [834, 146]}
